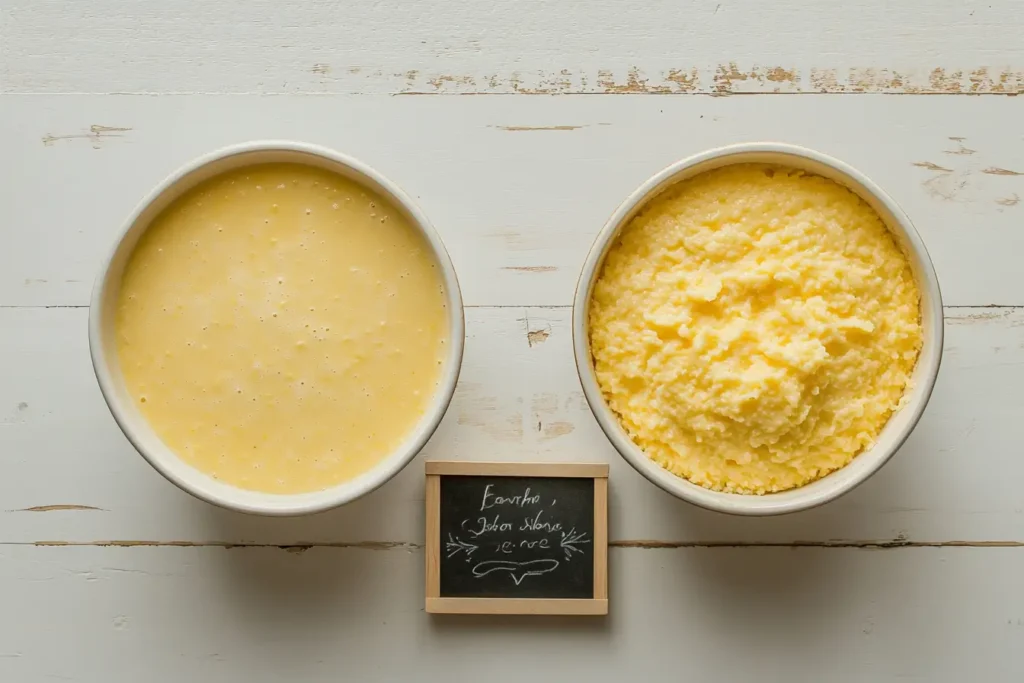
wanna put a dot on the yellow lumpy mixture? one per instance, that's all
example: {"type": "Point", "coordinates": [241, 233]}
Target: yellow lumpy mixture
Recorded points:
{"type": "Point", "coordinates": [282, 328]}
{"type": "Point", "coordinates": [754, 327]}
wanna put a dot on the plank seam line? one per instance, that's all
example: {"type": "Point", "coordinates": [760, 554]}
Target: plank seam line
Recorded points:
{"type": "Point", "coordinates": [870, 545]}
{"type": "Point", "coordinates": [424, 93]}
{"type": "Point", "coordinates": [624, 544]}
{"type": "Point", "coordinates": [541, 306]}
{"type": "Point", "coordinates": [552, 306]}
{"type": "Point", "coordinates": [16, 306]}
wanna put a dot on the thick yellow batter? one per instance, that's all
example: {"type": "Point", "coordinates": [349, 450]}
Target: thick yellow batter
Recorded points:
{"type": "Point", "coordinates": [282, 328]}
{"type": "Point", "coordinates": [754, 328]}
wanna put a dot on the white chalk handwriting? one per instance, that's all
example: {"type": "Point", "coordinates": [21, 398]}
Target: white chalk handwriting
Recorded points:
{"type": "Point", "coordinates": [519, 500]}
{"type": "Point", "coordinates": [455, 545]}
{"type": "Point", "coordinates": [505, 514]}
{"type": "Point", "coordinates": [516, 570]}
{"type": "Point", "coordinates": [570, 539]}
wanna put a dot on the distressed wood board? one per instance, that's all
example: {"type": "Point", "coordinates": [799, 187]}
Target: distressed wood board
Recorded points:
{"type": "Point", "coordinates": [463, 47]}
{"type": "Point", "coordinates": [518, 127]}
{"type": "Point", "coordinates": [517, 187]}
{"type": "Point", "coordinates": [262, 615]}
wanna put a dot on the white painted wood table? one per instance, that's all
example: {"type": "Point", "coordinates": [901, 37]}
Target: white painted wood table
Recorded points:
{"type": "Point", "coordinates": [108, 573]}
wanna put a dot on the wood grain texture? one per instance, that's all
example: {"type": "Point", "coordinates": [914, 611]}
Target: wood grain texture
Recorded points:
{"type": "Point", "coordinates": [107, 572]}
{"type": "Point", "coordinates": [165, 615]}
{"type": "Point", "coordinates": [477, 468]}
{"type": "Point", "coordinates": [518, 218]}
{"type": "Point", "coordinates": [432, 539]}
{"type": "Point", "coordinates": [517, 606]}
{"type": "Point", "coordinates": [608, 46]}
{"type": "Point", "coordinates": [956, 479]}
{"type": "Point", "coordinates": [601, 538]}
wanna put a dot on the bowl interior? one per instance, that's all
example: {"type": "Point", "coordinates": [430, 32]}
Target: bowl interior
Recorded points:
{"type": "Point", "coordinates": [900, 424]}
{"type": "Point", "coordinates": [137, 428]}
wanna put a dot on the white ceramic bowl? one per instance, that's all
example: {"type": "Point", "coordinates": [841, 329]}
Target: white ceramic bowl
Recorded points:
{"type": "Point", "coordinates": [899, 425]}
{"type": "Point", "coordinates": [134, 425]}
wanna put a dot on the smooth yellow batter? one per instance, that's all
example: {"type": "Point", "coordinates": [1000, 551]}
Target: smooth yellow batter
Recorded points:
{"type": "Point", "coordinates": [282, 328]}
{"type": "Point", "coordinates": [754, 328]}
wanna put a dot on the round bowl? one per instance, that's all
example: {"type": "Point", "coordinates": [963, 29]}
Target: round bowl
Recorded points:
{"type": "Point", "coordinates": [900, 424]}
{"type": "Point", "coordinates": [135, 426]}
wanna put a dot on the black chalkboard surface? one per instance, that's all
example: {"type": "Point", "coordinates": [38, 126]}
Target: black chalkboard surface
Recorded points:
{"type": "Point", "coordinates": [516, 538]}
{"type": "Point", "coordinates": [531, 536]}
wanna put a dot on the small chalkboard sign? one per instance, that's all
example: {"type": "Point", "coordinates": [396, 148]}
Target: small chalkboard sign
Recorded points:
{"type": "Point", "coordinates": [517, 538]}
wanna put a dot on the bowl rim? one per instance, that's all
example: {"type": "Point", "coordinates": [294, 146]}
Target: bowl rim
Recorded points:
{"type": "Point", "coordinates": [799, 499]}
{"type": "Point", "coordinates": [230, 497]}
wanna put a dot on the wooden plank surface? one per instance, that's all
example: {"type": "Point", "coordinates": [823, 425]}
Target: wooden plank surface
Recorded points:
{"type": "Point", "coordinates": [164, 615]}
{"type": "Point", "coordinates": [109, 573]}
{"type": "Point", "coordinates": [533, 47]}
{"type": "Point", "coordinates": [518, 209]}
{"type": "Point", "coordinates": [956, 480]}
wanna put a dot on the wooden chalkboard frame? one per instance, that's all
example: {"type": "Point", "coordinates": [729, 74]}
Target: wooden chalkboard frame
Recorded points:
{"type": "Point", "coordinates": [436, 604]}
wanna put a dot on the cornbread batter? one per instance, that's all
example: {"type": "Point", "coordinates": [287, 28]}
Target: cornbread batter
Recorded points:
{"type": "Point", "coordinates": [282, 328]}
{"type": "Point", "coordinates": [754, 328]}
